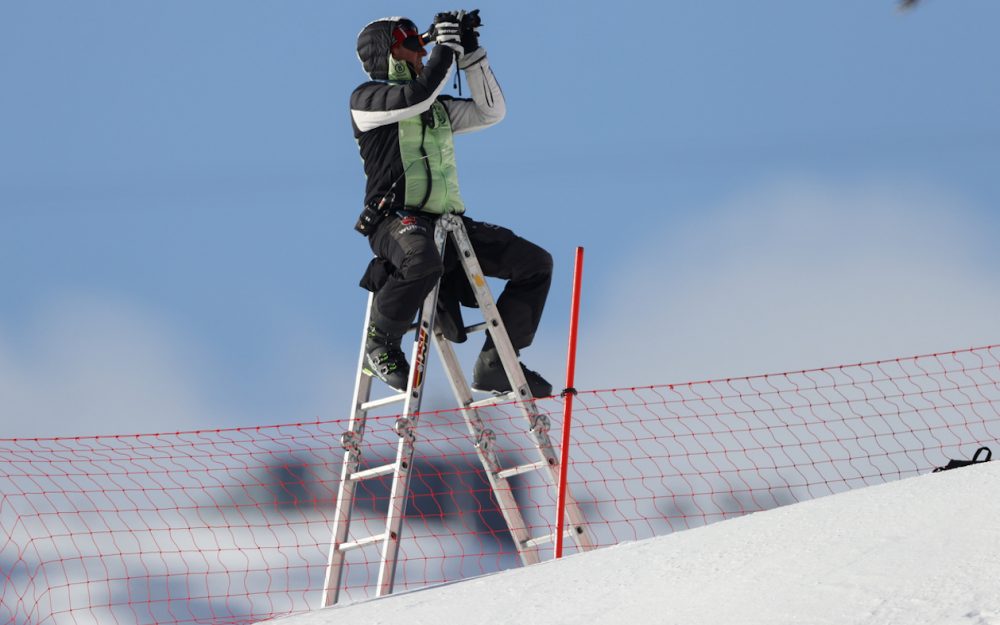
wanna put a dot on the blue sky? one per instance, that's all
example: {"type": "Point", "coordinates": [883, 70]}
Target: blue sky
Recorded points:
{"type": "Point", "coordinates": [759, 187]}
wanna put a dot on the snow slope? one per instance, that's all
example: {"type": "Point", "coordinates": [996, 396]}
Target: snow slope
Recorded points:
{"type": "Point", "coordinates": [923, 550]}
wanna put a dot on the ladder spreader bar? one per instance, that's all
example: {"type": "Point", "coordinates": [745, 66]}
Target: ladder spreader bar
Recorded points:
{"type": "Point", "coordinates": [477, 327]}
{"type": "Point", "coordinates": [524, 468]}
{"type": "Point", "coordinates": [385, 469]}
{"type": "Point", "coordinates": [385, 401]}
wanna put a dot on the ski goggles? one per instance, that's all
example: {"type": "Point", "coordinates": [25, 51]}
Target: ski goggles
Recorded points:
{"type": "Point", "coordinates": [406, 34]}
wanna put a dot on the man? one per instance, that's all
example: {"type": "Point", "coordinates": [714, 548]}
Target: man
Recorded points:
{"type": "Point", "coordinates": [405, 128]}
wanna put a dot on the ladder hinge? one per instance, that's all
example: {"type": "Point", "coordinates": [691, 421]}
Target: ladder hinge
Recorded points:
{"type": "Point", "coordinates": [540, 423]}
{"type": "Point", "coordinates": [405, 428]}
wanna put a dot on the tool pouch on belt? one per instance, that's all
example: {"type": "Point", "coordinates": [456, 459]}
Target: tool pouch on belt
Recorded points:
{"type": "Point", "coordinates": [369, 219]}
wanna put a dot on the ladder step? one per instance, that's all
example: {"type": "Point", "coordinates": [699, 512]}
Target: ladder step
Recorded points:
{"type": "Point", "coordinates": [546, 538]}
{"type": "Point", "coordinates": [385, 469]}
{"type": "Point", "coordinates": [385, 401]}
{"type": "Point", "coordinates": [477, 327]}
{"type": "Point", "coordinates": [357, 544]}
{"type": "Point", "coordinates": [493, 399]}
{"type": "Point", "coordinates": [524, 468]}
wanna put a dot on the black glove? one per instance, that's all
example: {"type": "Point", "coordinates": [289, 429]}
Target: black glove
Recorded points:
{"type": "Point", "coordinates": [447, 33]}
{"type": "Point", "coordinates": [446, 17]}
{"type": "Point", "coordinates": [470, 35]}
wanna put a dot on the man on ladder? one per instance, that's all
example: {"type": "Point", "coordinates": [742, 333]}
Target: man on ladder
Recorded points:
{"type": "Point", "coordinates": [405, 128]}
{"type": "Point", "coordinates": [428, 254]}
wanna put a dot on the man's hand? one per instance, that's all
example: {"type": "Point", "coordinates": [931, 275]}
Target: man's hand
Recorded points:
{"type": "Point", "coordinates": [447, 32]}
{"type": "Point", "coordinates": [468, 30]}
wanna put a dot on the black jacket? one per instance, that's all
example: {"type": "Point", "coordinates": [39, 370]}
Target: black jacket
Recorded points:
{"type": "Point", "coordinates": [378, 107]}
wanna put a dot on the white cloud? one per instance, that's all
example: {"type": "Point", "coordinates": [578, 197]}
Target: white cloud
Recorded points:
{"type": "Point", "coordinates": [796, 275]}
{"type": "Point", "coordinates": [90, 365]}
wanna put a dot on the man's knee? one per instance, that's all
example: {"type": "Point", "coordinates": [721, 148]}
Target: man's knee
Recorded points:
{"type": "Point", "coordinates": [544, 261]}
{"type": "Point", "coordinates": [533, 262]}
{"type": "Point", "coordinates": [419, 258]}
{"type": "Point", "coordinates": [421, 266]}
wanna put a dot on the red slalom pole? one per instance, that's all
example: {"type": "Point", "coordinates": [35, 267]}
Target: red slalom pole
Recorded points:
{"type": "Point", "coordinates": [568, 394]}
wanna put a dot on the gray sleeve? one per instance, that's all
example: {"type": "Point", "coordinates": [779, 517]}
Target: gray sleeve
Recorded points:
{"type": "Point", "coordinates": [487, 105]}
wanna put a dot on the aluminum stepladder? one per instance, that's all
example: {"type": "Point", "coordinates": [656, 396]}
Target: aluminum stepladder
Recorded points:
{"type": "Point", "coordinates": [405, 426]}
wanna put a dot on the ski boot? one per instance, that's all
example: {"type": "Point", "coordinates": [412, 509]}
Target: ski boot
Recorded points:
{"type": "Point", "coordinates": [384, 359]}
{"type": "Point", "coordinates": [488, 375]}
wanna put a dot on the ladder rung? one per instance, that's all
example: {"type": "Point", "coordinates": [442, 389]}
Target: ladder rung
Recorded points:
{"type": "Point", "coordinates": [546, 538]}
{"type": "Point", "coordinates": [524, 468]}
{"type": "Point", "coordinates": [385, 469]}
{"type": "Point", "coordinates": [477, 327]}
{"type": "Point", "coordinates": [391, 399]}
{"type": "Point", "coordinates": [357, 544]}
{"type": "Point", "coordinates": [493, 399]}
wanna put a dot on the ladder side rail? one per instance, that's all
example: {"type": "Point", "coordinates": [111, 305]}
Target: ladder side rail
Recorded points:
{"type": "Point", "coordinates": [351, 440]}
{"type": "Point", "coordinates": [576, 526]}
{"type": "Point", "coordinates": [397, 507]}
{"type": "Point", "coordinates": [539, 423]}
{"type": "Point", "coordinates": [485, 445]}
{"type": "Point", "coordinates": [406, 429]}
{"type": "Point", "coordinates": [488, 308]}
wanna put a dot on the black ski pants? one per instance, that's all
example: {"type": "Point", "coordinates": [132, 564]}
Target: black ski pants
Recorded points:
{"type": "Point", "coordinates": [406, 241]}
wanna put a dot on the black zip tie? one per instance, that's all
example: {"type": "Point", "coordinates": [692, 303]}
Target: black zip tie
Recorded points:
{"type": "Point", "coordinates": [568, 391]}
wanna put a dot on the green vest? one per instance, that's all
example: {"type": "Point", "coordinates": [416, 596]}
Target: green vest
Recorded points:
{"type": "Point", "coordinates": [431, 182]}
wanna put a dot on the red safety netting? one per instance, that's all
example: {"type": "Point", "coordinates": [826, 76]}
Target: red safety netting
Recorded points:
{"type": "Point", "coordinates": [234, 526]}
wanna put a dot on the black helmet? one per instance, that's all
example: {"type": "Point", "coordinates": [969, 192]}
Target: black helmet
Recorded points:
{"type": "Point", "coordinates": [375, 42]}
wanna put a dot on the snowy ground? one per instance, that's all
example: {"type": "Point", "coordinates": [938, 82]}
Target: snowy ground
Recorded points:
{"type": "Point", "coordinates": [923, 550]}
